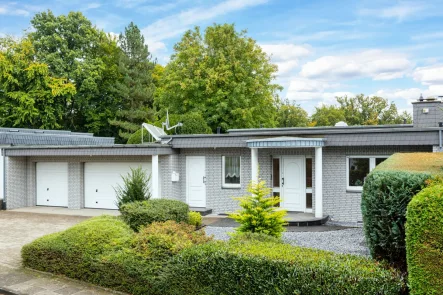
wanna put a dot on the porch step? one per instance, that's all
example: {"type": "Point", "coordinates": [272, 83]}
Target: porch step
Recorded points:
{"type": "Point", "coordinates": [297, 221]}
{"type": "Point", "coordinates": [202, 210]}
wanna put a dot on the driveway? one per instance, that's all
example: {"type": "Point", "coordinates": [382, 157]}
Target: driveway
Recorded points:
{"type": "Point", "coordinates": [18, 229]}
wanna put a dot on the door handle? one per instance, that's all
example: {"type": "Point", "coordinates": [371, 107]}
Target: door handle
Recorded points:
{"type": "Point", "coordinates": [282, 181]}
{"type": "Point", "coordinates": [204, 179]}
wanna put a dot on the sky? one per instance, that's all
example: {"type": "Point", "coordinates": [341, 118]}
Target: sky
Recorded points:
{"type": "Point", "coordinates": [323, 49]}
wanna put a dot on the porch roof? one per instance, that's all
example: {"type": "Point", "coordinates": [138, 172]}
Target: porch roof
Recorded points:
{"type": "Point", "coordinates": [285, 142]}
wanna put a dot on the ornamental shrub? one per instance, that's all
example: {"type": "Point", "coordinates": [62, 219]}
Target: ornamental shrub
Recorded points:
{"type": "Point", "coordinates": [137, 214]}
{"type": "Point", "coordinates": [195, 219]}
{"type": "Point", "coordinates": [136, 137]}
{"type": "Point", "coordinates": [135, 187]}
{"type": "Point", "coordinates": [424, 241]}
{"type": "Point", "coordinates": [270, 268]}
{"type": "Point", "coordinates": [385, 197]}
{"type": "Point", "coordinates": [164, 239]}
{"type": "Point", "coordinates": [259, 214]}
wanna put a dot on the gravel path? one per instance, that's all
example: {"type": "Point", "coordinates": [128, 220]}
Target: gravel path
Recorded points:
{"type": "Point", "coordinates": [347, 241]}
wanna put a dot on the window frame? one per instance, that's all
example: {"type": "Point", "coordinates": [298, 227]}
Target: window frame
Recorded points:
{"type": "Point", "coordinates": [230, 185]}
{"type": "Point", "coordinates": [371, 167]}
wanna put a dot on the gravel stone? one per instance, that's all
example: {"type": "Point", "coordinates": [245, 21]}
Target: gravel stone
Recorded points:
{"type": "Point", "coordinates": [344, 241]}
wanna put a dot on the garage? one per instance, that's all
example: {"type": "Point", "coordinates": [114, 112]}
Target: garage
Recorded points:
{"type": "Point", "coordinates": [52, 184]}
{"type": "Point", "coordinates": [102, 178]}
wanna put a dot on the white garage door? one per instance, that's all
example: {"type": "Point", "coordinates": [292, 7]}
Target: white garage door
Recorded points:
{"type": "Point", "coordinates": [52, 184]}
{"type": "Point", "coordinates": [102, 178]}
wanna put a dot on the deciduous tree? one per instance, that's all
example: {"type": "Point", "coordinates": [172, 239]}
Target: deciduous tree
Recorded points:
{"type": "Point", "coordinates": [290, 114]}
{"type": "Point", "coordinates": [30, 96]}
{"type": "Point", "coordinates": [224, 75]}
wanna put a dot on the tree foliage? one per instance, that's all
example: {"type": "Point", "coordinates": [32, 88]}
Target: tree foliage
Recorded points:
{"type": "Point", "coordinates": [359, 110]}
{"type": "Point", "coordinates": [289, 114]}
{"type": "Point", "coordinates": [136, 89]}
{"type": "Point", "coordinates": [365, 110]}
{"type": "Point", "coordinates": [30, 96]}
{"type": "Point", "coordinates": [224, 75]}
{"type": "Point", "coordinates": [327, 115]}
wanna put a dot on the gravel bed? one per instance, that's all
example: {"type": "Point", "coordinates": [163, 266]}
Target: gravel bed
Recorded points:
{"type": "Point", "coordinates": [346, 241]}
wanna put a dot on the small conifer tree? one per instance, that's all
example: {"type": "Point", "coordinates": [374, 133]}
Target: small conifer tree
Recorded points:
{"type": "Point", "coordinates": [259, 214]}
{"type": "Point", "coordinates": [135, 187]}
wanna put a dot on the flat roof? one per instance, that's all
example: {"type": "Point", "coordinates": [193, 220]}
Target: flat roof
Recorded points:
{"type": "Point", "coordinates": [89, 150]}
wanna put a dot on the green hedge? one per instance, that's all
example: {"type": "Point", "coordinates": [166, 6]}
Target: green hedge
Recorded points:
{"type": "Point", "coordinates": [385, 197]}
{"type": "Point", "coordinates": [255, 267]}
{"type": "Point", "coordinates": [137, 214]}
{"type": "Point", "coordinates": [74, 252]}
{"type": "Point", "coordinates": [424, 241]}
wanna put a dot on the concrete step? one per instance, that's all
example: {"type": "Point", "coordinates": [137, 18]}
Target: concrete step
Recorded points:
{"type": "Point", "coordinates": [202, 210]}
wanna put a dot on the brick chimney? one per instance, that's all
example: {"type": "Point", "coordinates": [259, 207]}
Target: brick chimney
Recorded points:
{"type": "Point", "coordinates": [427, 112]}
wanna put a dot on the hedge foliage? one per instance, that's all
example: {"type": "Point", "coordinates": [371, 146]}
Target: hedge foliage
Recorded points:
{"type": "Point", "coordinates": [138, 214]}
{"type": "Point", "coordinates": [424, 241]}
{"type": "Point", "coordinates": [195, 219]}
{"type": "Point", "coordinates": [170, 258]}
{"type": "Point", "coordinates": [254, 267]}
{"type": "Point", "coordinates": [385, 197]}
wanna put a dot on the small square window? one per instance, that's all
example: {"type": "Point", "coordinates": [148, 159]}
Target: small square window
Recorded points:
{"type": "Point", "coordinates": [231, 175]}
{"type": "Point", "coordinates": [358, 167]}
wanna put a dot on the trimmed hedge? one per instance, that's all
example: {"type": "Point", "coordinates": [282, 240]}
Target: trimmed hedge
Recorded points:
{"type": "Point", "coordinates": [137, 214]}
{"type": "Point", "coordinates": [73, 252]}
{"type": "Point", "coordinates": [385, 197]}
{"type": "Point", "coordinates": [254, 267]}
{"type": "Point", "coordinates": [106, 252]}
{"type": "Point", "coordinates": [424, 241]}
{"type": "Point", "coordinates": [195, 219]}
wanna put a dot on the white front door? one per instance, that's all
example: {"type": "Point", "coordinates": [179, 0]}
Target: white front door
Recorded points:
{"type": "Point", "coordinates": [293, 191]}
{"type": "Point", "coordinates": [52, 184]}
{"type": "Point", "coordinates": [101, 180]}
{"type": "Point", "coordinates": [196, 181]}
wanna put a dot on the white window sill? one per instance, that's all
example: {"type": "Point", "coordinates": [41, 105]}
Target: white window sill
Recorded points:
{"type": "Point", "coordinates": [231, 186]}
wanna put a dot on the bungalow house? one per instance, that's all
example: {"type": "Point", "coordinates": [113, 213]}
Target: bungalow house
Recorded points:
{"type": "Point", "coordinates": [318, 170]}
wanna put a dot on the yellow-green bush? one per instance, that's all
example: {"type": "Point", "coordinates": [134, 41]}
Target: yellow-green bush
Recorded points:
{"type": "Point", "coordinates": [195, 219]}
{"type": "Point", "coordinates": [424, 241]}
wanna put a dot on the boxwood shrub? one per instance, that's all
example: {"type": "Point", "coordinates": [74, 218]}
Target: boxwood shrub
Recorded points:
{"type": "Point", "coordinates": [424, 241]}
{"type": "Point", "coordinates": [243, 267]}
{"type": "Point", "coordinates": [137, 214]}
{"type": "Point", "coordinates": [385, 197]}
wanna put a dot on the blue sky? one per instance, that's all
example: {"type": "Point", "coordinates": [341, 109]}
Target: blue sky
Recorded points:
{"type": "Point", "coordinates": [393, 49]}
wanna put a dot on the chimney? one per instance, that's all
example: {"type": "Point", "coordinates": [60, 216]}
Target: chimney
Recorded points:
{"type": "Point", "coordinates": [218, 130]}
{"type": "Point", "coordinates": [427, 112]}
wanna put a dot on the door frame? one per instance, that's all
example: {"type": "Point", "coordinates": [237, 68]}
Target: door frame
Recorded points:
{"type": "Point", "coordinates": [188, 173]}
{"type": "Point", "coordinates": [303, 180]}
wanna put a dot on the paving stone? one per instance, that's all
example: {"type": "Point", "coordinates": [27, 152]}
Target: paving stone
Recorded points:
{"type": "Point", "coordinates": [69, 290]}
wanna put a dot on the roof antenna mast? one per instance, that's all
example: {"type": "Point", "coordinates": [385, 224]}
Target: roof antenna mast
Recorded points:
{"type": "Point", "coordinates": [166, 124]}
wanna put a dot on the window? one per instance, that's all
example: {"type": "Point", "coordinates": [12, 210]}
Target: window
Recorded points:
{"type": "Point", "coordinates": [231, 172]}
{"type": "Point", "coordinates": [358, 167]}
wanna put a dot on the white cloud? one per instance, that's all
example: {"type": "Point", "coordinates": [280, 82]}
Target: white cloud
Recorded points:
{"type": "Point", "coordinates": [173, 25]}
{"type": "Point", "coordinates": [428, 36]}
{"type": "Point", "coordinates": [429, 75]}
{"type": "Point", "coordinates": [375, 64]}
{"type": "Point", "coordinates": [92, 5]}
{"type": "Point", "coordinates": [410, 94]}
{"type": "Point", "coordinates": [13, 10]}
{"type": "Point", "coordinates": [400, 11]}
{"type": "Point", "coordinates": [286, 56]}
{"type": "Point", "coordinates": [301, 89]}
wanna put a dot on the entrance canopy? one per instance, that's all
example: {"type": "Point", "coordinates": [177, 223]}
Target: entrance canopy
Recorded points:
{"type": "Point", "coordinates": [285, 142]}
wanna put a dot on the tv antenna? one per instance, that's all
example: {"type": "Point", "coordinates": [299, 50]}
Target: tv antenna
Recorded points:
{"type": "Point", "coordinates": [166, 124]}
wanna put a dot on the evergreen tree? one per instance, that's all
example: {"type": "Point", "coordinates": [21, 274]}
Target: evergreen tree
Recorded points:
{"type": "Point", "coordinates": [136, 87]}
